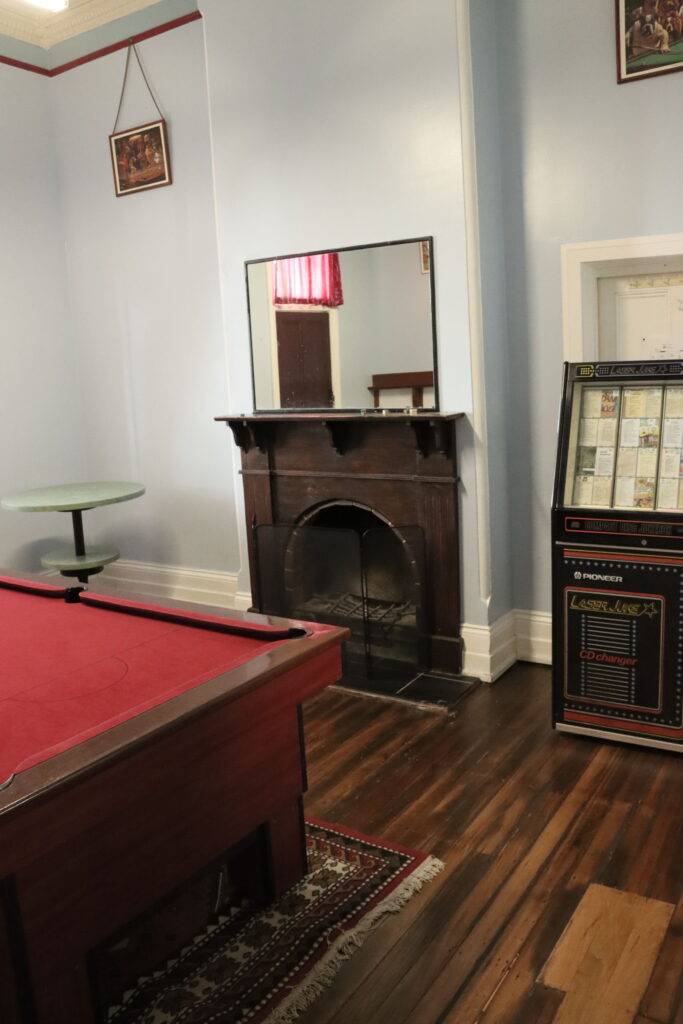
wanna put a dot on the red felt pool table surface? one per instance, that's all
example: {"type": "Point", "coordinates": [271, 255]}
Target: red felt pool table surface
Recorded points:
{"type": "Point", "coordinates": [72, 670]}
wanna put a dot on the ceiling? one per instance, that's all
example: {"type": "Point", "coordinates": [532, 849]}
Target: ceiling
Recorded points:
{"type": "Point", "coordinates": [23, 21]}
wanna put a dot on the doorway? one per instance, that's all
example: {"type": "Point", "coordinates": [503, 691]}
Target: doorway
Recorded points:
{"type": "Point", "coordinates": [641, 316]}
{"type": "Point", "coordinates": [304, 360]}
{"type": "Point", "coordinates": [585, 264]}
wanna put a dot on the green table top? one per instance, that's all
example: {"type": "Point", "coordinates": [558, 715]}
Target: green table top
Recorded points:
{"type": "Point", "coordinates": [69, 497]}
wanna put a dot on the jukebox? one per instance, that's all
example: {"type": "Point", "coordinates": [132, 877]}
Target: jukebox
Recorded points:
{"type": "Point", "coordinates": [617, 533]}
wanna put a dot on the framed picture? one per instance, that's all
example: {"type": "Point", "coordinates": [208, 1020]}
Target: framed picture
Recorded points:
{"type": "Point", "coordinates": [649, 38]}
{"type": "Point", "coordinates": [425, 256]}
{"type": "Point", "coordinates": [140, 158]}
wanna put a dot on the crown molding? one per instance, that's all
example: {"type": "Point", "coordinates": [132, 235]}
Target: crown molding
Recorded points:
{"type": "Point", "coordinates": [40, 61]}
{"type": "Point", "coordinates": [28, 28]}
{"type": "Point", "coordinates": [45, 29]}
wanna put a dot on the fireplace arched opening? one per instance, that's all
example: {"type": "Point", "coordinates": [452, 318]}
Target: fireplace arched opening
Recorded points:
{"type": "Point", "coordinates": [346, 564]}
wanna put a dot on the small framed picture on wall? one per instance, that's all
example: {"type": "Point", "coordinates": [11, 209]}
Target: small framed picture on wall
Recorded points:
{"type": "Point", "coordinates": [649, 38]}
{"type": "Point", "coordinates": [425, 256]}
{"type": "Point", "coordinates": [140, 158]}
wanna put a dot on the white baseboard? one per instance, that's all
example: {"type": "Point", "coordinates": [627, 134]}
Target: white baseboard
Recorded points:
{"type": "Point", "coordinates": [534, 637]}
{"type": "Point", "coordinates": [169, 581]}
{"type": "Point", "coordinates": [516, 636]}
{"type": "Point", "coordinates": [489, 651]}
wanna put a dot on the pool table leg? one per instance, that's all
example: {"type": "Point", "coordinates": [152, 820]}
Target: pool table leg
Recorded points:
{"type": "Point", "coordinates": [65, 997]}
{"type": "Point", "coordinates": [287, 862]}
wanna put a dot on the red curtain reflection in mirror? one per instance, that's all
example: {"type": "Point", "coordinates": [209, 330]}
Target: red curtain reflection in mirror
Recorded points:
{"type": "Point", "coordinates": [313, 280]}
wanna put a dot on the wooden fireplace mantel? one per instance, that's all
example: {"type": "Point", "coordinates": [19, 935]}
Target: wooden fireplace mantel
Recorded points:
{"type": "Point", "coordinates": [433, 432]}
{"type": "Point", "coordinates": [402, 466]}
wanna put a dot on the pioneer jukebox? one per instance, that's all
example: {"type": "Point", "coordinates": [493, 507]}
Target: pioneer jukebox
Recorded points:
{"type": "Point", "coordinates": [618, 553]}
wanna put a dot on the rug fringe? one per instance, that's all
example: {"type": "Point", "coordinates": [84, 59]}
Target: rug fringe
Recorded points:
{"type": "Point", "coordinates": [325, 971]}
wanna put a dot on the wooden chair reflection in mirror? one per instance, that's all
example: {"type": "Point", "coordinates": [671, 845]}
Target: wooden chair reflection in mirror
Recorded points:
{"type": "Point", "coordinates": [416, 383]}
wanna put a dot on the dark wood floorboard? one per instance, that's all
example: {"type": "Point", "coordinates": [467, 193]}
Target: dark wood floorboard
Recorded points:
{"type": "Point", "coordinates": [525, 819]}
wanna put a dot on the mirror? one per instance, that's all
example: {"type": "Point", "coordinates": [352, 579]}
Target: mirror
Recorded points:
{"type": "Point", "coordinates": [344, 329]}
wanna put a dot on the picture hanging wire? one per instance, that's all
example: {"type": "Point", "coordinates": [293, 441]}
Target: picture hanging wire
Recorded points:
{"type": "Point", "coordinates": [133, 47]}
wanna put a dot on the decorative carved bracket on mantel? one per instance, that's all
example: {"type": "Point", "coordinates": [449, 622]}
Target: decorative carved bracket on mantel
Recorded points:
{"type": "Point", "coordinates": [338, 432]}
{"type": "Point", "coordinates": [249, 434]}
{"type": "Point", "coordinates": [433, 436]}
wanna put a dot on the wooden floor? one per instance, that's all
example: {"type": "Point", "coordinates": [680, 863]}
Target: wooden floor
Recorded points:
{"type": "Point", "coordinates": [526, 820]}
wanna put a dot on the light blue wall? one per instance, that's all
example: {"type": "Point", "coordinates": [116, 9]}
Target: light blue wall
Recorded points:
{"type": "Point", "coordinates": [28, 53]}
{"type": "Point", "coordinates": [144, 290]}
{"type": "Point", "coordinates": [336, 124]}
{"type": "Point", "coordinates": [40, 414]}
{"type": "Point", "coordinates": [582, 159]}
{"type": "Point", "coordinates": [310, 125]}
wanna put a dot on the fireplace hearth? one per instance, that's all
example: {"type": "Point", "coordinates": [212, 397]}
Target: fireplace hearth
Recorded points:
{"type": "Point", "coordinates": [353, 519]}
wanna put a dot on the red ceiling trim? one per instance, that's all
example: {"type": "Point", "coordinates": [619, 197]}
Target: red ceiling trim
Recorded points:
{"type": "Point", "coordinates": [24, 66]}
{"type": "Point", "coordinates": [106, 50]}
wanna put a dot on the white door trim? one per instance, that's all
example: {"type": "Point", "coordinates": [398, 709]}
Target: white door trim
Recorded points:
{"type": "Point", "coordinates": [584, 262]}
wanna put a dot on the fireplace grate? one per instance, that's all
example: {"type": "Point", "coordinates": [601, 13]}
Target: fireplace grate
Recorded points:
{"type": "Point", "coordinates": [383, 616]}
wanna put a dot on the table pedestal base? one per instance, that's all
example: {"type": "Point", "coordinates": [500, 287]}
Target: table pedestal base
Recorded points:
{"type": "Point", "coordinates": [80, 566]}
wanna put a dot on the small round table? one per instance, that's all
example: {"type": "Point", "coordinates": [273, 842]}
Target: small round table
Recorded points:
{"type": "Point", "coordinates": [76, 499]}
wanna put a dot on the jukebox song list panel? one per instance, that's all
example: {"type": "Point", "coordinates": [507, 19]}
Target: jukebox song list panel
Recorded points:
{"type": "Point", "coordinates": [629, 452]}
{"type": "Point", "coordinates": [638, 456]}
{"type": "Point", "coordinates": [670, 489]}
{"type": "Point", "coordinates": [594, 478]}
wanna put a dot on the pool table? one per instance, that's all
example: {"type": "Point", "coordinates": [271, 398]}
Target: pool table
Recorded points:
{"type": "Point", "coordinates": [138, 743]}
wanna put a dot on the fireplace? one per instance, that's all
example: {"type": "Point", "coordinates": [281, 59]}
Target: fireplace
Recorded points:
{"type": "Point", "coordinates": [344, 564]}
{"type": "Point", "coordinates": [354, 518]}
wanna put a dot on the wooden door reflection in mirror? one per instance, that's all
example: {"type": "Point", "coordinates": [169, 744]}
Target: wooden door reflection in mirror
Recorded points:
{"type": "Point", "coordinates": [304, 360]}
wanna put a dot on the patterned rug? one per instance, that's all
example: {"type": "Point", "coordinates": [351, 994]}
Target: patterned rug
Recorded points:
{"type": "Point", "coordinates": [266, 966]}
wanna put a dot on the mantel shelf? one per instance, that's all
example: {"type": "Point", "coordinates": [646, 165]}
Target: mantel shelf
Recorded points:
{"type": "Point", "coordinates": [371, 416]}
{"type": "Point", "coordinates": [433, 431]}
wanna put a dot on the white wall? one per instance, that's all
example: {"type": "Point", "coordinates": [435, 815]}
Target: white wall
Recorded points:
{"type": "Point", "coordinates": [337, 124]}
{"type": "Point", "coordinates": [40, 417]}
{"type": "Point", "coordinates": [145, 298]}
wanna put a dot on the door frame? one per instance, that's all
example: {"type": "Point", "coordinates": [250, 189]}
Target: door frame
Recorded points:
{"type": "Point", "coordinates": [335, 352]}
{"type": "Point", "coordinates": [584, 262]}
